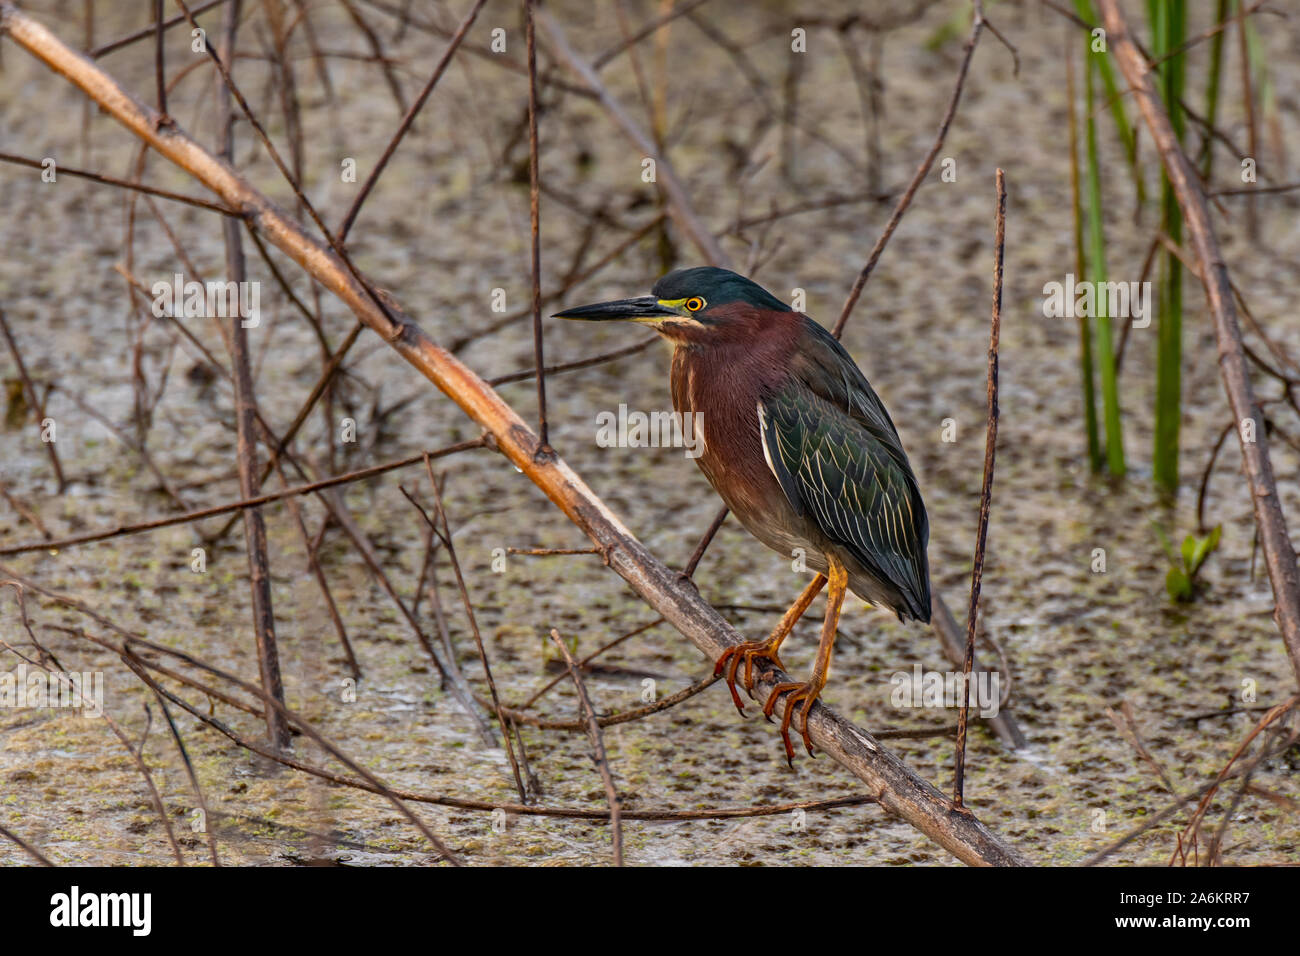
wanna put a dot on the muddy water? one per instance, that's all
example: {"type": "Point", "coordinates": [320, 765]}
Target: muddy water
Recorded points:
{"type": "Point", "coordinates": [446, 226]}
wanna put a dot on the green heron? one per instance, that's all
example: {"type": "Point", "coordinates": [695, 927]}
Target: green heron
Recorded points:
{"type": "Point", "coordinates": [801, 450]}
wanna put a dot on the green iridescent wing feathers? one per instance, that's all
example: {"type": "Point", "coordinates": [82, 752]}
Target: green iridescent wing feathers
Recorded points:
{"type": "Point", "coordinates": [837, 455]}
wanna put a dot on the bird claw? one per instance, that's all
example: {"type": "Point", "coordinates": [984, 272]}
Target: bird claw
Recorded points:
{"type": "Point", "coordinates": [748, 651]}
{"type": "Point", "coordinates": [808, 692]}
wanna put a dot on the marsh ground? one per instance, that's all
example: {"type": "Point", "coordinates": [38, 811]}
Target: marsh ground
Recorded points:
{"type": "Point", "coordinates": [446, 226]}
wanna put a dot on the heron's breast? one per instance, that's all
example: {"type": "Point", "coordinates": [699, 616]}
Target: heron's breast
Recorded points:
{"type": "Point", "coordinates": [724, 398]}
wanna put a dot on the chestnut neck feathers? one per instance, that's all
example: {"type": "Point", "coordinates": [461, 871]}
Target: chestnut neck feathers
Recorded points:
{"type": "Point", "coordinates": [723, 371]}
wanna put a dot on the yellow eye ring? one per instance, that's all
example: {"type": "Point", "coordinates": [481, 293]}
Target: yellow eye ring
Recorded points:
{"type": "Point", "coordinates": [695, 303]}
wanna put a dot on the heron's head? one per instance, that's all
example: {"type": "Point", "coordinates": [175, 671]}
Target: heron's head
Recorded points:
{"type": "Point", "coordinates": [689, 305]}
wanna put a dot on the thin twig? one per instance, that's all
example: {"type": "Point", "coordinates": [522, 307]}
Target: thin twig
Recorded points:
{"type": "Point", "coordinates": [33, 399]}
{"type": "Point", "coordinates": [255, 543]}
{"type": "Point", "coordinates": [23, 509]}
{"type": "Point", "coordinates": [160, 75]}
{"type": "Point", "coordinates": [134, 663]}
{"type": "Point", "coordinates": [114, 45]}
{"type": "Point", "coordinates": [19, 586]}
{"type": "Point", "coordinates": [598, 750]}
{"type": "Point", "coordinates": [582, 664]}
{"type": "Point", "coordinates": [186, 518]}
{"type": "Point", "coordinates": [446, 536]}
{"type": "Point", "coordinates": [682, 210]}
{"type": "Point", "coordinates": [610, 720]}
{"type": "Point", "coordinates": [697, 555]}
{"type": "Point", "coordinates": [986, 491]}
{"type": "Point", "coordinates": [31, 850]}
{"type": "Point", "coordinates": [407, 120]}
{"type": "Point", "coordinates": [1189, 835]}
{"type": "Point", "coordinates": [124, 183]}
{"type": "Point", "coordinates": [526, 374]}
{"type": "Point", "coordinates": [534, 224]}
{"type": "Point", "coordinates": [917, 178]}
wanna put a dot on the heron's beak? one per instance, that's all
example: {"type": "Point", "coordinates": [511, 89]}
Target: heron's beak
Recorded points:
{"type": "Point", "coordinates": [645, 308]}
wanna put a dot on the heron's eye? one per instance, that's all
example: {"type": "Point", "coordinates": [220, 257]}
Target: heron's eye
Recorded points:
{"type": "Point", "coordinates": [695, 303]}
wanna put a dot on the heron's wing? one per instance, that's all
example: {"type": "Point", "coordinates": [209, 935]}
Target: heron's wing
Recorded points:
{"type": "Point", "coordinates": [837, 456]}
{"type": "Point", "coordinates": [826, 367]}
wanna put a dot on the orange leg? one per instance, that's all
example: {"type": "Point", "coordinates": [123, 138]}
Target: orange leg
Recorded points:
{"type": "Point", "coordinates": [767, 650]}
{"type": "Point", "coordinates": [810, 690]}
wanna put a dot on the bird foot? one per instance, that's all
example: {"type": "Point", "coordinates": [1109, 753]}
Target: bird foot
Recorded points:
{"type": "Point", "coordinates": [747, 651]}
{"type": "Point", "coordinates": [808, 692]}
